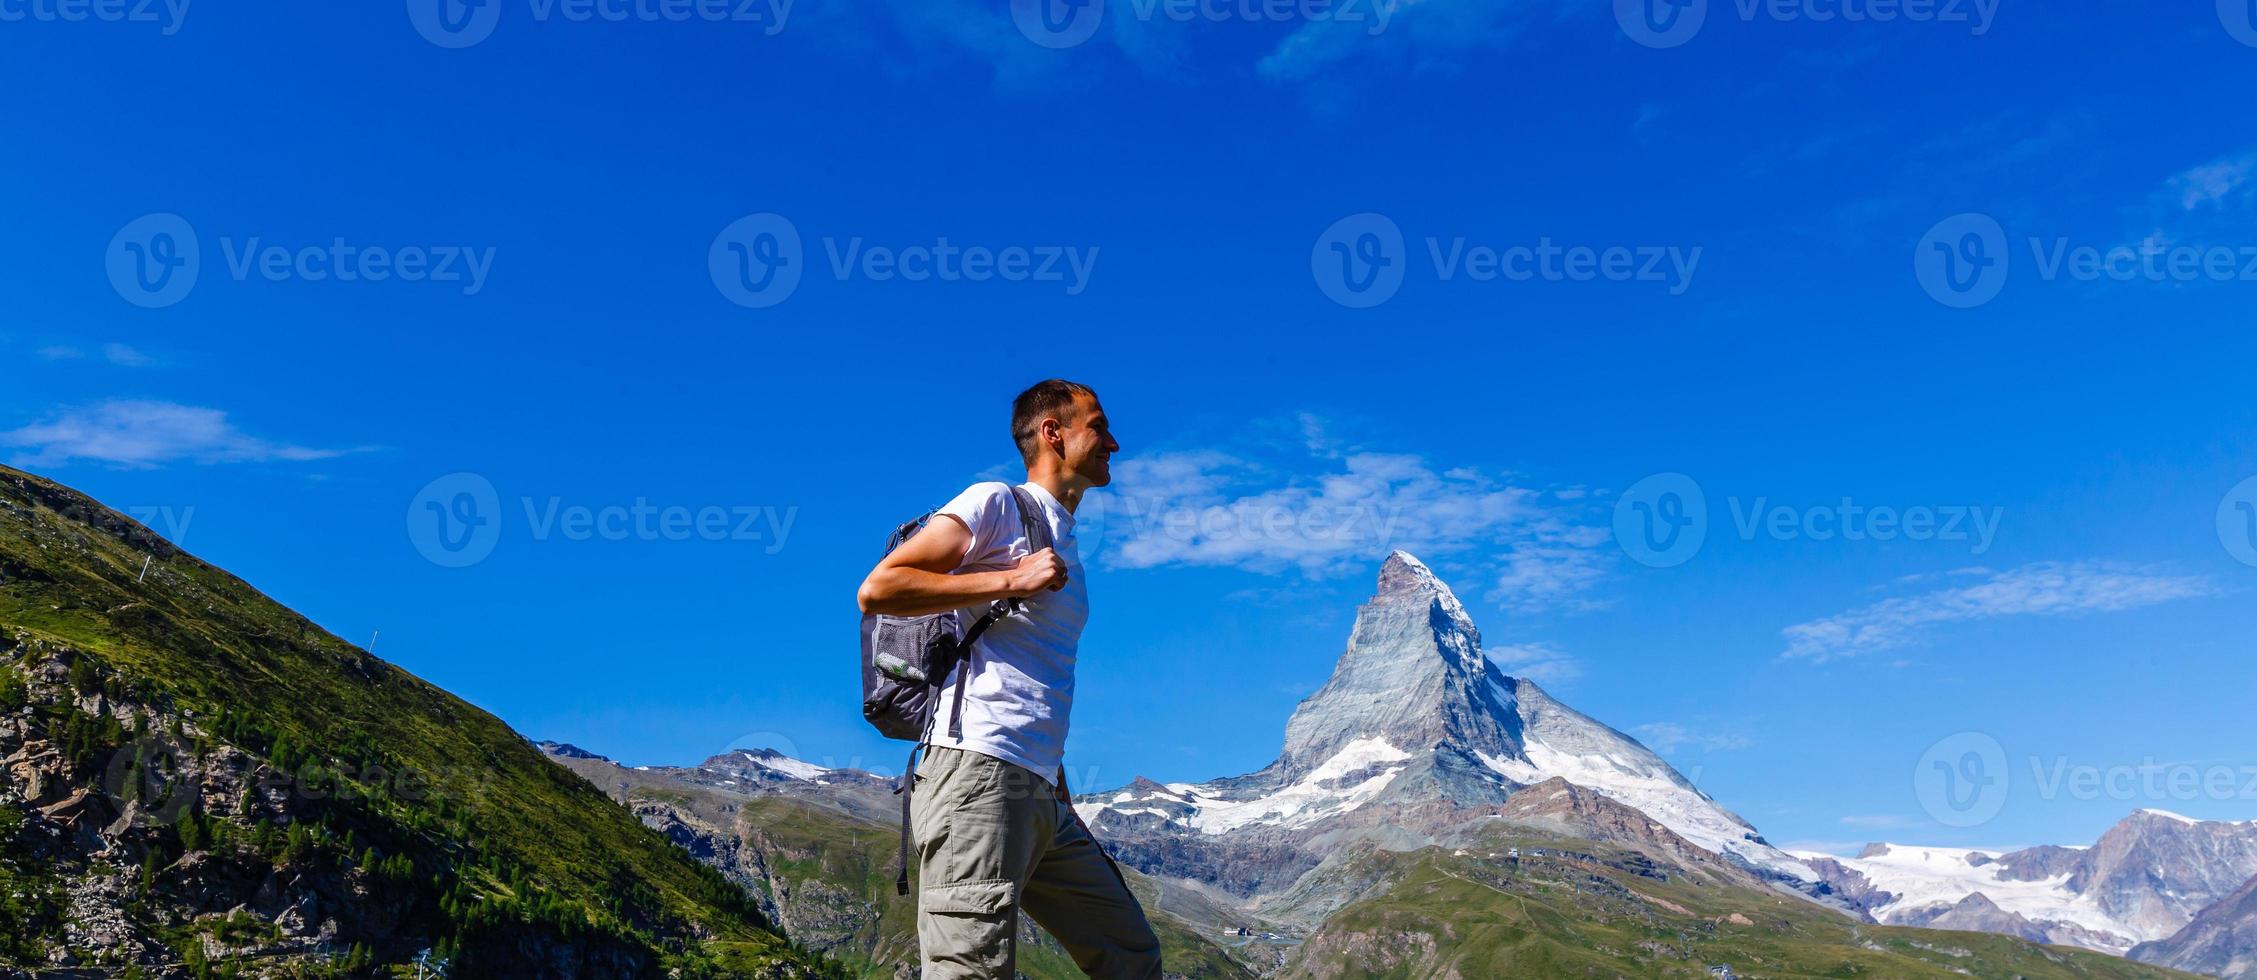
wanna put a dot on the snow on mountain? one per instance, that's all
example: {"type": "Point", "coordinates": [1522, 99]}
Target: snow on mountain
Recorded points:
{"type": "Point", "coordinates": [1558, 741]}
{"type": "Point", "coordinates": [2144, 880]}
{"type": "Point", "coordinates": [1347, 780]}
{"type": "Point", "coordinates": [1415, 714]}
{"type": "Point", "coordinates": [765, 765]}
{"type": "Point", "coordinates": [1921, 881]}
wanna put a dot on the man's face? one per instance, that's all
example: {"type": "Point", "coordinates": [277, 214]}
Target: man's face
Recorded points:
{"type": "Point", "coordinates": [1089, 444]}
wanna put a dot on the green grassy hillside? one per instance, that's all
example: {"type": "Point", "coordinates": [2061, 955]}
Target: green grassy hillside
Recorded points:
{"type": "Point", "coordinates": [1584, 910]}
{"type": "Point", "coordinates": [816, 849]}
{"type": "Point", "coordinates": [403, 801]}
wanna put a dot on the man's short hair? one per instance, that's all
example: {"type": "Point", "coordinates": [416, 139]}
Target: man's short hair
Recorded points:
{"type": "Point", "coordinates": [1047, 399]}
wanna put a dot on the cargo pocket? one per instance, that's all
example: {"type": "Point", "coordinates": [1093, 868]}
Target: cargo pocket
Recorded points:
{"type": "Point", "coordinates": [968, 930]}
{"type": "Point", "coordinates": [985, 897]}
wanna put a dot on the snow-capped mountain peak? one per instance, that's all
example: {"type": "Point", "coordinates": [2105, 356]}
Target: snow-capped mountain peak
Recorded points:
{"type": "Point", "coordinates": [762, 765]}
{"type": "Point", "coordinates": [1414, 714]}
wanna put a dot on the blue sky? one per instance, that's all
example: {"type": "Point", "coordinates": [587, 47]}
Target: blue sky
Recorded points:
{"type": "Point", "coordinates": [1461, 284]}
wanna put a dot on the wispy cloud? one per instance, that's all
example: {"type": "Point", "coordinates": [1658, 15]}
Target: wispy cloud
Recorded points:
{"type": "Point", "coordinates": [1325, 511]}
{"type": "Point", "coordinates": [1669, 736]}
{"type": "Point", "coordinates": [1539, 662]}
{"type": "Point", "coordinates": [2040, 589]}
{"type": "Point", "coordinates": [144, 435]}
{"type": "Point", "coordinates": [118, 354]}
{"type": "Point", "coordinates": [123, 356]}
{"type": "Point", "coordinates": [1428, 35]}
{"type": "Point", "coordinates": [2205, 203]}
{"type": "Point", "coordinates": [2216, 183]}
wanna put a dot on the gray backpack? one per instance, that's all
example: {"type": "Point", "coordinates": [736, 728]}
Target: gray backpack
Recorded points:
{"type": "Point", "coordinates": [906, 661]}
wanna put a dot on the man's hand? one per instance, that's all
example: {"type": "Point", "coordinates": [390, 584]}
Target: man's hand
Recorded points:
{"type": "Point", "coordinates": [1037, 572]}
{"type": "Point", "coordinates": [915, 579]}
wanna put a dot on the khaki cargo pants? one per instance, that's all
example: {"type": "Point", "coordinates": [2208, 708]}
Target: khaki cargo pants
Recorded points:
{"type": "Point", "coordinates": [993, 839]}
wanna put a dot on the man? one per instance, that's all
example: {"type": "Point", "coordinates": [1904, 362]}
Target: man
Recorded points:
{"type": "Point", "coordinates": [996, 831]}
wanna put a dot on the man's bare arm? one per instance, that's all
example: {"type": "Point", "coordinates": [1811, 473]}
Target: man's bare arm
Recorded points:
{"type": "Point", "coordinates": [914, 580]}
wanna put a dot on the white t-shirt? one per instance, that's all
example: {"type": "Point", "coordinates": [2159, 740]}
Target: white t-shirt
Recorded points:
{"type": "Point", "coordinates": [1022, 676]}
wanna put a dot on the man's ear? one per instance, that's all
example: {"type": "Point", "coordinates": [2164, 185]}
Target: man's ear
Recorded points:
{"type": "Point", "coordinates": [1053, 428]}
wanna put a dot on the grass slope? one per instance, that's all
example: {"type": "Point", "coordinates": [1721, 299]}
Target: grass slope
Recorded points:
{"type": "Point", "coordinates": [1588, 913]}
{"type": "Point", "coordinates": [206, 644]}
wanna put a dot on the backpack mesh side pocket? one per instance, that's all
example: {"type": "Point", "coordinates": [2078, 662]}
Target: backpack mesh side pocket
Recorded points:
{"type": "Point", "coordinates": [909, 659]}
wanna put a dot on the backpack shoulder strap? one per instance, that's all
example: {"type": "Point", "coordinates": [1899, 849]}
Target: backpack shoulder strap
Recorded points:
{"type": "Point", "coordinates": [1037, 528]}
{"type": "Point", "coordinates": [1032, 518]}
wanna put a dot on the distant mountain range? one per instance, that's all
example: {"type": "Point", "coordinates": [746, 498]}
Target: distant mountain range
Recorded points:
{"type": "Point", "coordinates": [195, 781]}
{"type": "Point", "coordinates": [1427, 816]}
{"type": "Point", "coordinates": [2159, 887]}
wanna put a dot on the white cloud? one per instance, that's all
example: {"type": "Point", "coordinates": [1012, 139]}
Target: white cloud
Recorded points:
{"type": "Point", "coordinates": [2040, 589]}
{"type": "Point", "coordinates": [2213, 183]}
{"type": "Point", "coordinates": [2201, 205]}
{"type": "Point", "coordinates": [123, 356]}
{"type": "Point", "coordinates": [143, 435]}
{"type": "Point", "coordinates": [1424, 34]}
{"type": "Point", "coordinates": [1326, 512]}
{"type": "Point", "coordinates": [1539, 662]}
{"type": "Point", "coordinates": [1669, 736]}
{"type": "Point", "coordinates": [118, 354]}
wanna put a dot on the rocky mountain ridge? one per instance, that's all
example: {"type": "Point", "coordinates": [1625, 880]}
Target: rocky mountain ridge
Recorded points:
{"type": "Point", "coordinates": [2146, 879]}
{"type": "Point", "coordinates": [1416, 730]}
